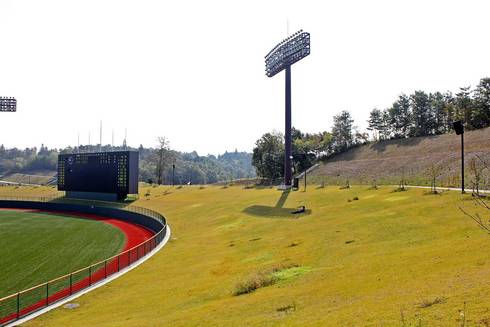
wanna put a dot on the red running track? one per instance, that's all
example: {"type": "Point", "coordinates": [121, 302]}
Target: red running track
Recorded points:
{"type": "Point", "coordinates": [134, 235]}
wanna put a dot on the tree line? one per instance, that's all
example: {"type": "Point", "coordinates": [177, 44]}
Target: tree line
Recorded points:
{"type": "Point", "coordinates": [424, 114]}
{"type": "Point", "coordinates": [155, 164]}
{"type": "Point", "coordinates": [417, 114]}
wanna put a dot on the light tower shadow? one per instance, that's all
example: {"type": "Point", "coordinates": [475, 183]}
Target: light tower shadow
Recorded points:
{"type": "Point", "coordinates": [277, 211]}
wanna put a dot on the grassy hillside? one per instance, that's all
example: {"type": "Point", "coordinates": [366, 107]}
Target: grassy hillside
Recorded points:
{"type": "Point", "coordinates": [32, 177]}
{"type": "Point", "coordinates": [389, 161]}
{"type": "Point", "coordinates": [386, 259]}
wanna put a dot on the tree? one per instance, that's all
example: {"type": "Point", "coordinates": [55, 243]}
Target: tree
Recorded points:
{"type": "Point", "coordinates": [268, 156]}
{"type": "Point", "coordinates": [481, 104]}
{"type": "Point", "coordinates": [464, 106]}
{"type": "Point", "coordinates": [423, 120]}
{"type": "Point", "coordinates": [342, 131]}
{"type": "Point", "coordinates": [386, 128]}
{"type": "Point", "coordinates": [325, 144]}
{"type": "Point", "coordinates": [476, 170]}
{"type": "Point", "coordinates": [440, 119]}
{"type": "Point", "coordinates": [375, 122]}
{"type": "Point", "coordinates": [163, 158]}
{"type": "Point", "coordinates": [435, 171]}
{"type": "Point", "coordinates": [400, 117]}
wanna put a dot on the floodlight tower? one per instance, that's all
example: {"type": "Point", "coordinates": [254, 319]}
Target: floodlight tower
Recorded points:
{"type": "Point", "coordinates": [281, 57]}
{"type": "Point", "coordinates": [8, 104]}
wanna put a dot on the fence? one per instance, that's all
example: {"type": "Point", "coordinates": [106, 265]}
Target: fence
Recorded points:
{"type": "Point", "coordinates": [23, 303]}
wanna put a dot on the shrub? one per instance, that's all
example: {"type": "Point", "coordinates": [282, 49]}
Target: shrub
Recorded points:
{"type": "Point", "coordinates": [254, 282]}
{"type": "Point", "coordinates": [269, 277]}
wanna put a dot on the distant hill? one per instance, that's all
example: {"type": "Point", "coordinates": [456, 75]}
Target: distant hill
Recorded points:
{"type": "Point", "coordinates": [412, 159]}
{"type": "Point", "coordinates": [30, 166]}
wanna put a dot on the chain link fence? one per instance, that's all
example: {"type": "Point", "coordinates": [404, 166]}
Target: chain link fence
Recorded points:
{"type": "Point", "coordinates": [23, 303]}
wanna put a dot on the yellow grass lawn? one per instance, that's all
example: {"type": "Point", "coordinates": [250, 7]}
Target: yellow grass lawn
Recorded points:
{"type": "Point", "coordinates": [387, 259]}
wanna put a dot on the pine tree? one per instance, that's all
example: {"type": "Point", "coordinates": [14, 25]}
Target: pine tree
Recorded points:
{"type": "Point", "coordinates": [375, 122]}
{"type": "Point", "coordinates": [401, 117]}
{"type": "Point", "coordinates": [342, 131]}
{"type": "Point", "coordinates": [422, 118]}
{"type": "Point", "coordinates": [481, 104]}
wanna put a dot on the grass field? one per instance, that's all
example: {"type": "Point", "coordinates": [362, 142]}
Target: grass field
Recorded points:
{"type": "Point", "coordinates": [36, 247]}
{"type": "Point", "coordinates": [386, 259]}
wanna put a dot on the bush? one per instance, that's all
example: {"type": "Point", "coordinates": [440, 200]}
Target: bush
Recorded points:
{"type": "Point", "coordinates": [254, 282]}
{"type": "Point", "coordinates": [263, 278]}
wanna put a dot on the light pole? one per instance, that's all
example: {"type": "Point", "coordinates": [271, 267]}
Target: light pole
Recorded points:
{"type": "Point", "coordinates": [459, 129]}
{"type": "Point", "coordinates": [173, 175]}
{"type": "Point", "coordinates": [282, 57]}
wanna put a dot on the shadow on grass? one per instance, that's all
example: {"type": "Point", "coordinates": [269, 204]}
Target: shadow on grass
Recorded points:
{"type": "Point", "coordinates": [273, 212]}
{"type": "Point", "coordinates": [278, 211]}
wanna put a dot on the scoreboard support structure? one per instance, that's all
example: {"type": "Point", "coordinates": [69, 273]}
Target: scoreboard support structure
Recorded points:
{"type": "Point", "coordinates": [107, 176]}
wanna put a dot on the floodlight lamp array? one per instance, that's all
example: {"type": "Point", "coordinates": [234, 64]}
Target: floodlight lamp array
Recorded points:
{"type": "Point", "coordinates": [287, 52]}
{"type": "Point", "coordinates": [8, 104]}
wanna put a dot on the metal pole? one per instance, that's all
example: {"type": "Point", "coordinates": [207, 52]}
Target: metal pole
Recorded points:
{"type": "Point", "coordinates": [462, 163]}
{"type": "Point", "coordinates": [173, 175]}
{"type": "Point", "coordinates": [18, 305]}
{"type": "Point", "coordinates": [287, 131]}
{"type": "Point", "coordinates": [305, 179]}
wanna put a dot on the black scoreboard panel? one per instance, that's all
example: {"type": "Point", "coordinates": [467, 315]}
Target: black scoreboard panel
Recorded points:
{"type": "Point", "coordinates": [101, 172]}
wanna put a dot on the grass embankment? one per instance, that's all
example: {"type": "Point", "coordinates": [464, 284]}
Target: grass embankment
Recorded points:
{"type": "Point", "coordinates": [36, 247]}
{"type": "Point", "coordinates": [30, 191]}
{"type": "Point", "coordinates": [415, 160]}
{"type": "Point", "coordinates": [40, 178]}
{"type": "Point", "coordinates": [386, 259]}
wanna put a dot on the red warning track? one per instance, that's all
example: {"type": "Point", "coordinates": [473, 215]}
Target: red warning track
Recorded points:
{"type": "Point", "coordinates": [135, 236]}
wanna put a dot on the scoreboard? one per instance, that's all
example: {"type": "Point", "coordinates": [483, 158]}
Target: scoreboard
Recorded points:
{"type": "Point", "coordinates": [100, 174]}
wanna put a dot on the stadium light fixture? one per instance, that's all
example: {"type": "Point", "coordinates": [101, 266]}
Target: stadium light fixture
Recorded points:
{"type": "Point", "coordinates": [281, 57]}
{"type": "Point", "coordinates": [459, 129]}
{"type": "Point", "coordinates": [8, 104]}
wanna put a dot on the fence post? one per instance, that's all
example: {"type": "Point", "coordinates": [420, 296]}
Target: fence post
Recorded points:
{"type": "Point", "coordinates": [71, 283]}
{"type": "Point", "coordinates": [118, 267]}
{"type": "Point", "coordinates": [47, 293]}
{"type": "Point", "coordinates": [105, 269]}
{"type": "Point", "coordinates": [89, 275]}
{"type": "Point", "coordinates": [18, 305]}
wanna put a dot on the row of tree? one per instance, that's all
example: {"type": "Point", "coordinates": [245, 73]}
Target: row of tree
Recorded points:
{"type": "Point", "coordinates": [156, 164]}
{"type": "Point", "coordinates": [417, 114]}
{"type": "Point", "coordinates": [422, 114]}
